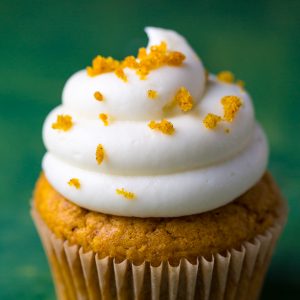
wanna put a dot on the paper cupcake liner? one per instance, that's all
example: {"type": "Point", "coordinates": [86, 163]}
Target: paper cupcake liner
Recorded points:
{"type": "Point", "coordinates": [237, 274]}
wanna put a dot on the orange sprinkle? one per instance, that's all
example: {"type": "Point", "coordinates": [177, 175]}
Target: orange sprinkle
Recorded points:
{"type": "Point", "coordinates": [175, 58]}
{"type": "Point", "coordinates": [231, 105]}
{"type": "Point", "coordinates": [157, 57]}
{"type": "Point", "coordinates": [99, 154]}
{"type": "Point", "coordinates": [98, 96]}
{"type": "Point", "coordinates": [142, 53]}
{"type": "Point", "coordinates": [164, 126]}
{"type": "Point", "coordinates": [152, 94]}
{"type": "Point", "coordinates": [120, 73]}
{"type": "Point", "coordinates": [126, 194]}
{"type": "Point", "coordinates": [161, 48]}
{"type": "Point", "coordinates": [102, 65]}
{"type": "Point", "coordinates": [63, 122]}
{"type": "Point", "coordinates": [225, 76]}
{"type": "Point", "coordinates": [75, 183]}
{"type": "Point", "coordinates": [184, 99]}
{"type": "Point", "coordinates": [211, 121]}
{"type": "Point", "coordinates": [130, 62]}
{"type": "Point", "coordinates": [104, 119]}
{"type": "Point", "coordinates": [142, 71]}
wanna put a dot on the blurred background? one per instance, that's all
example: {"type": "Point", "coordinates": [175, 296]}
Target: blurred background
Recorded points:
{"type": "Point", "coordinates": [43, 42]}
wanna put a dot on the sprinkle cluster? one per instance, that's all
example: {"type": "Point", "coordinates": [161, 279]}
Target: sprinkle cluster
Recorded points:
{"type": "Point", "coordinates": [211, 120]}
{"type": "Point", "coordinates": [164, 126]}
{"type": "Point", "coordinates": [102, 65]}
{"type": "Point", "coordinates": [145, 62]}
{"type": "Point", "coordinates": [63, 122]}
{"type": "Point", "coordinates": [184, 99]}
{"type": "Point", "coordinates": [231, 105]}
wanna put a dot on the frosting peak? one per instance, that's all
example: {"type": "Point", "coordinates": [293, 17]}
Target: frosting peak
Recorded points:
{"type": "Point", "coordinates": [128, 100]}
{"type": "Point", "coordinates": [172, 141]}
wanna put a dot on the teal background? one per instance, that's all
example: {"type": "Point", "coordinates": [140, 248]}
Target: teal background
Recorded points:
{"type": "Point", "coordinates": [43, 42]}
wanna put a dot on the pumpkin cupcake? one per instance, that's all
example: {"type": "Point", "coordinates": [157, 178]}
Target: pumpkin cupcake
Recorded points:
{"type": "Point", "coordinates": [154, 184]}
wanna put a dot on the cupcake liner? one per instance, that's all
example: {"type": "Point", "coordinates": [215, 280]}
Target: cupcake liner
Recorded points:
{"type": "Point", "coordinates": [237, 274]}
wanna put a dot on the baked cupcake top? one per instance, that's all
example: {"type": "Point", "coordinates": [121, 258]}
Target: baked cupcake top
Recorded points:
{"type": "Point", "coordinates": [153, 135]}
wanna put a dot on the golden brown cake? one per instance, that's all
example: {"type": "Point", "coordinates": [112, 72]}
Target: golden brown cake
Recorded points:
{"type": "Point", "coordinates": [160, 239]}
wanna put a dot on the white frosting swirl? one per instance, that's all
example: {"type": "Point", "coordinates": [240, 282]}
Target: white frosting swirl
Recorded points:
{"type": "Point", "coordinates": [189, 172]}
{"type": "Point", "coordinates": [129, 100]}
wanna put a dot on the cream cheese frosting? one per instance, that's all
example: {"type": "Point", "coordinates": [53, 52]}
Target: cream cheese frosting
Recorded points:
{"type": "Point", "coordinates": [194, 170]}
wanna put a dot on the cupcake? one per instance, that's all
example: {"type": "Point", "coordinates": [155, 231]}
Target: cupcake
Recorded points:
{"type": "Point", "coordinates": [154, 184]}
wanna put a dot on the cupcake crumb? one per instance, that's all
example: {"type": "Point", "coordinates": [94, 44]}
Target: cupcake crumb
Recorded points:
{"type": "Point", "coordinates": [184, 99]}
{"type": "Point", "coordinates": [102, 65]}
{"type": "Point", "coordinates": [75, 183]}
{"type": "Point", "coordinates": [211, 121]}
{"type": "Point", "coordinates": [104, 118]}
{"type": "Point", "coordinates": [152, 94]}
{"type": "Point", "coordinates": [164, 126]}
{"type": "Point", "coordinates": [63, 122]}
{"type": "Point", "coordinates": [120, 73]}
{"type": "Point", "coordinates": [98, 96]}
{"type": "Point", "coordinates": [99, 154]}
{"type": "Point", "coordinates": [126, 194]}
{"type": "Point", "coordinates": [231, 105]}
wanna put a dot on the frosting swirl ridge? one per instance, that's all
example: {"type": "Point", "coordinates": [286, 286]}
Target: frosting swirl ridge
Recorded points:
{"type": "Point", "coordinates": [188, 170]}
{"type": "Point", "coordinates": [129, 100]}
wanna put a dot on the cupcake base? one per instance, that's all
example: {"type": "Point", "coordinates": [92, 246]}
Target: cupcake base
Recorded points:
{"type": "Point", "coordinates": [237, 274]}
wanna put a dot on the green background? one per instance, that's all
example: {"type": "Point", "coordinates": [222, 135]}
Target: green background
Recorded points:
{"type": "Point", "coordinates": [43, 43]}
